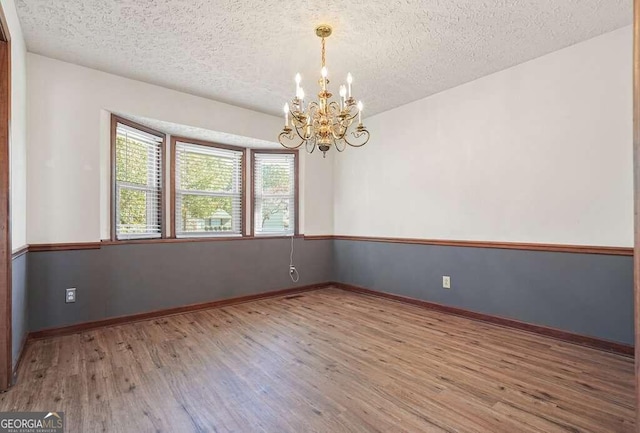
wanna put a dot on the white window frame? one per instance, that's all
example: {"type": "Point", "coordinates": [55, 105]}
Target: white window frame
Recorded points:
{"type": "Point", "coordinates": [155, 182]}
{"type": "Point", "coordinates": [257, 196]}
{"type": "Point", "coordinates": [239, 183]}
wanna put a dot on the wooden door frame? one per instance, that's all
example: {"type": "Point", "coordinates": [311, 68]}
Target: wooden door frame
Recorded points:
{"type": "Point", "coordinates": [636, 195]}
{"type": "Point", "coordinates": [6, 367]}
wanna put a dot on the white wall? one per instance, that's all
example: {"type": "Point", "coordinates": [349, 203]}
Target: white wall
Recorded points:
{"type": "Point", "coordinates": [18, 141]}
{"type": "Point", "coordinates": [68, 184]}
{"type": "Point", "coordinates": [317, 188]}
{"type": "Point", "coordinates": [68, 147]}
{"type": "Point", "coordinates": [540, 152]}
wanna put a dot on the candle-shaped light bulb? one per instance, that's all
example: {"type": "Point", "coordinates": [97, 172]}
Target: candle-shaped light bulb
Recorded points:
{"type": "Point", "coordinates": [360, 106]}
{"type": "Point", "coordinates": [286, 114]}
{"type": "Point", "coordinates": [324, 74]}
{"type": "Point", "coordinates": [298, 79]}
{"type": "Point", "coordinates": [349, 81]}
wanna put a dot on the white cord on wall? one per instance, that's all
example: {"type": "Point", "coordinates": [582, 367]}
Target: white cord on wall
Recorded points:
{"type": "Point", "coordinates": [293, 272]}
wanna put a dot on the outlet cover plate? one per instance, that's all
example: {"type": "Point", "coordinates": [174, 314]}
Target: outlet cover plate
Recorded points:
{"type": "Point", "coordinates": [446, 282]}
{"type": "Point", "coordinates": [70, 296]}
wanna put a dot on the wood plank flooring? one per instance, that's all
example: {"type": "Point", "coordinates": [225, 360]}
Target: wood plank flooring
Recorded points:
{"type": "Point", "coordinates": [323, 361]}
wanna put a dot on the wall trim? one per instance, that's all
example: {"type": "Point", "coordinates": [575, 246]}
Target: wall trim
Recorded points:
{"type": "Point", "coordinates": [318, 237]}
{"type": "Point", "coordinates": [120, 320]}
{"type": "Point", "coordinates": [107, 242]}
{"type": "Point", "coordinates": [558, 334]}
{"type": "Point", "coordinates": [36, 248]}
{"type": "Point", "coordinates": [562, 248]}
{"type": "Point", "coordinates": [19, 252]}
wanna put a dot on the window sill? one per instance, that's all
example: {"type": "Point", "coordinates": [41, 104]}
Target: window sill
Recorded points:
{"type": "Point", "coordinates": [201, 236]}
{"type": "Point", "coordinates": [195, 239]}
{"type": "Point", "coordinates": [138, 238]}
{"type": "Point", "coordinates": [275, 236]}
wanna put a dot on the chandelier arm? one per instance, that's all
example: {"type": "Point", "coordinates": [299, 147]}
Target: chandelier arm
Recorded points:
{"type": "Point", "coordinates": [303, 137]}
{"type": "Point", "coordinates": [345, 121]}
{"type": "Point", "coordinates": [333, 131]}
{"type": "Point", "coordinates": [298, 119]}
{"type": "Point", "coordinates": [313, 109]}
{"type": "Point", "coordinates": [335, 143]}
{"type": "Point", "coordinates": [350, 117]}
{"type": "Point", "coordinates": [344, 124]}
{"type": "Point", "coordinates": [289, 136]}
{"type": "Point", "coordinates": [357, 134]}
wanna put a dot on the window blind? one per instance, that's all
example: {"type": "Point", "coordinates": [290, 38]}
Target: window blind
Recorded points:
{"type": "Point", "coordinates": [274, 193]}
{"type": "Point", "coordinates": [208, 190]}
{"type": "Point", "coordinates": [138, 183]}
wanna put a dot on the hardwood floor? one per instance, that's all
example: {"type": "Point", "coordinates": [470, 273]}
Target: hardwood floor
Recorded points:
{"type": "Point", "coordinates": [323, 361]}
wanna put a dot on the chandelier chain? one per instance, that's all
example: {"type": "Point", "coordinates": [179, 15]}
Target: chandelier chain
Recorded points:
{"type": "Point", "coordinates": [323, 52]}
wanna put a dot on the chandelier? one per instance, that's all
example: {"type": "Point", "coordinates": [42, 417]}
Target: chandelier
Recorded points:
{"type": "Point", "coordinates": [323, 123]}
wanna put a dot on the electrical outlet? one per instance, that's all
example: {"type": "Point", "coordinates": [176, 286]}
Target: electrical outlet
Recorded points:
{"type": "Point", "coordinates": [292, 270]}
{"type": "Point", "coordinates": [70, 295]}
{"type": "Point", "coordinates": [446, 282]}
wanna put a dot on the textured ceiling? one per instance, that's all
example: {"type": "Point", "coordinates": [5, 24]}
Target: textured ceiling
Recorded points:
{"type": "Point", "coordinates": [186, 131]}
{"type": "Point", "coordinates": [246, 52]}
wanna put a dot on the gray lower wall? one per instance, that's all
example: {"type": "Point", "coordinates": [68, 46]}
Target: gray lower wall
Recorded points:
{"type": "Point", "coordinates": [586, 294]}
{"type": "Point", "coordinates": [118, 280]}
{"type": "Point", "coordinates": [19, 306]}
{"type": "Point", "coordinates": [582, 293]}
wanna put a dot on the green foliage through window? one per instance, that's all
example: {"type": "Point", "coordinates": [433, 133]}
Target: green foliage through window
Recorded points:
{"type": "Point", "coordinates": [206, 172]}
{"type": "Point", "coordinates": [131, 161]}
{"type": "Point", "coordinates": [209, 189]}
{"type": "Point", "coordinates": [275, 179]}
{"type": "Point", "coordinates": [133, 210]}
{"type": "Point", "coordinates": [205, 213]}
